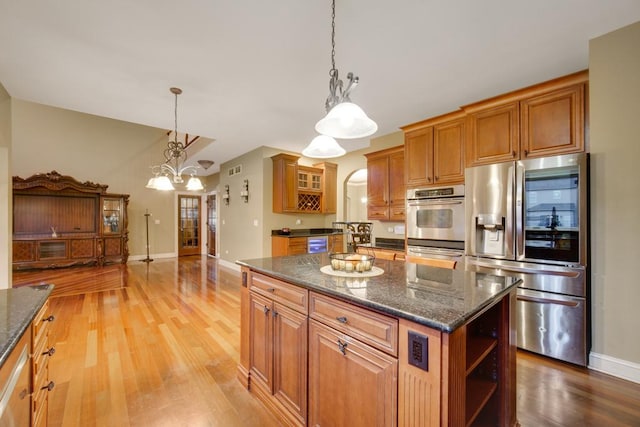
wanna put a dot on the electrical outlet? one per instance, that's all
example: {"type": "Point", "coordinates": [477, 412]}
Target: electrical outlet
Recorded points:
{"type": "Point", "coordinates": [390, 229]}
{"type": "Point", "coordinates": [157, 222]}
{"type": "Point", "coordinates": [255, 222]}
{"type": "Point", "coordinates": [298, 221]}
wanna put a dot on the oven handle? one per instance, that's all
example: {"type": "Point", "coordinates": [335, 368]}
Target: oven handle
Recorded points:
{"type": "Point", "coordinates": [418, 202]}
{"type": "Point", "coordinates": [417, 251]}
{"type": "Point", "coordinates": [547, 301]}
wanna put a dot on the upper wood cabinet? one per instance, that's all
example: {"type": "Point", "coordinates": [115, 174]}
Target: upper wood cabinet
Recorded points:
{"type": "Point", "coordinates": [385, 185]}
{"type": "Point", "coordinates": [541, 120]}
{"type": "Point", "coordinates": [434, 151]}
{"type": "Point", "coordinates": [303, 189]}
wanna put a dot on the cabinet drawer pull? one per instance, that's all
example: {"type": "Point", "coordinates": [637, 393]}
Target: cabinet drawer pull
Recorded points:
{"type": "Point", "coordinates": [266, 310]}
{"type": "Point", "coordinates": [342, 346]}
{"type": "Point", "coordinates": [49, 386]}
{"type": "Point", "coordinates": [342, 319]}
{"type": "Point", "coordinates": [271, 289]}
{"type": "Point", "coordinates": [23, 394]}
{"type": "Point", "coordinates": [50, 352]}
{"type": "Point", "coordinates": [49, 319]}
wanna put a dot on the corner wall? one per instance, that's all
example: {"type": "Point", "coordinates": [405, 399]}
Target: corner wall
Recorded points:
{"type": "Point", "coordinates": [614, 81]}
{"type": "Point", "coordinates": [6, 184]}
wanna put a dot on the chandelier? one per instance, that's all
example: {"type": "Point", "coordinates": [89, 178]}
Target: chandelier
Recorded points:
{"type": "Point", "coordinates": [170, 172]}
{"type": "Point", "coordinates": [344, 119]}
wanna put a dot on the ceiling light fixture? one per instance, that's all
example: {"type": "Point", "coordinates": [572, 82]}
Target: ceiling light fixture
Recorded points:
{"type": "Point", "coordinates": [344, 119]}
{"type": "Point", "coordinates": [175, 156]}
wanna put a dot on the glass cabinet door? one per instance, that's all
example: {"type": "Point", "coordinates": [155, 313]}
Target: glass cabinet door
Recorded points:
{"type": "Point", "coordinates": [111, 216]}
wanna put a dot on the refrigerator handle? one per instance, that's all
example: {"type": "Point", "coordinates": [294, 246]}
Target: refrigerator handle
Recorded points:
{"type": "Point", "coordinates": [519, 212]}
{"type": "Point", "coordinates": [509, 225]}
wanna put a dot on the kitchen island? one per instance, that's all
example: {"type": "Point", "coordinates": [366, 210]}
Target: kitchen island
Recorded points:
{"type": "Point", "coordinates": [414, 346]}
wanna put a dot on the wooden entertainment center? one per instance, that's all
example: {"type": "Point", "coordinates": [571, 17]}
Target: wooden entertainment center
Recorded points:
{"type": "Point", "coordinates": [61, 222]}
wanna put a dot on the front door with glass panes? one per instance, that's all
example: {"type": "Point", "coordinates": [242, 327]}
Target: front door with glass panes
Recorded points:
{"type": "Point", "coordinates": [189, 233]}
{"type": "Point", "coordinates": [211, 224]}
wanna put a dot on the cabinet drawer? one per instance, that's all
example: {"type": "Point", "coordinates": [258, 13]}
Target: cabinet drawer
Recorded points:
{"type": "Point", "coordinates": [372, 328]}
{"type": "Point", "coordinates": [284, 293]}
{"type": "Point", "coordinates": [378, 212]}
{"type": "Point", "coordinates": [41, 324]}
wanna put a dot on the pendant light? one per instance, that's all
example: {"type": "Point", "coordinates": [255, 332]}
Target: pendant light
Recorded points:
{"type": "Point", "coordinates": [175, 156]}
{"type": "Point", "coordinates": [344, 119]}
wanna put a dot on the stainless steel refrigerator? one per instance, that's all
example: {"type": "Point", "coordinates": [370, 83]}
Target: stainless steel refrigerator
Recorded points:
{"type": "Point", "coordinates": [529, 218]}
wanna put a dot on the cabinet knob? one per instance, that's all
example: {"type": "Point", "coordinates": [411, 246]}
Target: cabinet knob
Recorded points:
{"type": "Point", "coordinates": [342, 319]}
{"type": "Point", "coordinates": [526, 153]}
{"type": "Point", "coordinates": [49, 386]}
{"type": "Point", "coordinates": [274, 313]}
{"type": "Point", "coordinates": [429, 179]}
{"type": "Point", "coordinates": [437, 178]}
{"type": "Point", "coordinates": [50, 352]}
{"type": "Point", "coordinates": [342, 346]}
{"type": "Point", "coordinates": [266, 310]}
{"type": "Point", "coordinates": [49, 319]}
{"type": "Point", "coordinates": [513, 154]}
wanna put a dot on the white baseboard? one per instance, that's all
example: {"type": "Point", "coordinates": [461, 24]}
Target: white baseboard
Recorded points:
{"type": "Point", "coordinates": [152, 256]}
{"type": "Point", "coordinates": [228, 264]}
{"type": "Point", "coordinates": [620, 368]}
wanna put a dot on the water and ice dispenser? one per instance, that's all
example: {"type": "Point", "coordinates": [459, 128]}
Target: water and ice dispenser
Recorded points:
{"type": "Point", "coordinates": [490, 236]}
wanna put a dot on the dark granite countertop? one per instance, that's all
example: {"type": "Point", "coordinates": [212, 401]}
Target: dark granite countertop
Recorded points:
{"type": "Point", "coordinates": [306, 232]}
{"type": "Point", "coordinates": [442, 299]}
{"type": "Point", "coordinates": [18, 307]}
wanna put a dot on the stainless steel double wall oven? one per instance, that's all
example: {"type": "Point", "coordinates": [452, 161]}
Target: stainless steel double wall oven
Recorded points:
{"type": "Point", "coordinates": [435, 222]}
{"type": "Point", "coordinates": [529, 219]}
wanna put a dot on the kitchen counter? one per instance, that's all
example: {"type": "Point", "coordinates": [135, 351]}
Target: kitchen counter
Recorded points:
{"type": "Point", "coordinates": [306, 232]}
{"type": "Point", "coordinates": [18, 307]}
{"type": "Point", "coordinates": [444, 302]}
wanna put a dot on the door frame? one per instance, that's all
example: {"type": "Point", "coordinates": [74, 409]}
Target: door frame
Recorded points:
{"type": "Point", "coordinates": [176, 222]}
{"type": "Point", "coordinates": [206, 216]}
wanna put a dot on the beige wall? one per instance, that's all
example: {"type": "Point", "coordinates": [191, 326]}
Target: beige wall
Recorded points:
{"type": "Point", "coordinates": [5, 189]}
{"type": "Point", "coordinates": [614, 74]}
{"type": "Point", "coordinates": [104, 151]}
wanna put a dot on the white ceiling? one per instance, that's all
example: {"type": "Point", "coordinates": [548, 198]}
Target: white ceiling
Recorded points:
{"type": "Point", "coordinates": [256, 72]}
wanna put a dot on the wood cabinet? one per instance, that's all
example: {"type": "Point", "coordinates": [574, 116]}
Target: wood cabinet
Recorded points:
{"type": "Point", "coordinates": [385, 185]}
{"type": "Point", "coordinates": [303, 189]}
{"type": "Point", "coordinates": [15, 385]}
{"type": "Point", "coordinates": [60, 222]}
{"type": "Point", "coordinates": [366, 368]}
{"type": "Point", "coordinates": [435, 151]}
{"type": "Point", "coordinates": [360, 348]}
{"type": "Point", "coordinates": [278, 342]}
{"type": "Point", "coordinates": [286, 246]}
{"type": "Point", "coordinates": [41, 352]}
{"type": "Point", "coordinates": [541, 120]}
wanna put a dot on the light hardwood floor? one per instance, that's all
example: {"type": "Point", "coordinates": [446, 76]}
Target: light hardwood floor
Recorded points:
{"type": "Point", "coordinates": [157, 345]}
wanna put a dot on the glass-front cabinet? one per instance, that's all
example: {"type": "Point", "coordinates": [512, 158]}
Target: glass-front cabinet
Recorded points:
{"type": "Point", "coordinates": [112, 215]}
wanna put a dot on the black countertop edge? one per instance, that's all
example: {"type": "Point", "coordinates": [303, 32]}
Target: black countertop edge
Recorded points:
{"type": "Point", "coordinates": [385, 308]}
{"type": "Point", "coordinates": [18, 308]}
{"type": "Point", "coordinates": [306, 232]}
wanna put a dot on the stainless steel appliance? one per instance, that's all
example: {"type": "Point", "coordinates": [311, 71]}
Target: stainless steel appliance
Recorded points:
{"type": "Point", "coordinates": [530, 219]}
{"type": "Point", "coordinates": [316, 245]}
{"type": "Point", "coordinates": [435, 219]}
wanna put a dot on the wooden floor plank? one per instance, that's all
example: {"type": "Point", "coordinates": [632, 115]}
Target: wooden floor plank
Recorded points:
{"type": "Point", "coordinates": [158, 345]}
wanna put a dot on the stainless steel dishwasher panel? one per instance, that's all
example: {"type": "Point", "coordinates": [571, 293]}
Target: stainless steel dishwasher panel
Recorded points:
{"type": "Point", "coordinates": [553, 325]}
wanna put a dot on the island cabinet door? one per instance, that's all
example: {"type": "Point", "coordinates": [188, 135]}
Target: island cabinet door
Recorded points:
{"type": "Point", "coordinates": [290, 360]}
{"type": "Point", "coordinates": [350, 383]}
{"type": "Point", "coordinates": [261, 333]}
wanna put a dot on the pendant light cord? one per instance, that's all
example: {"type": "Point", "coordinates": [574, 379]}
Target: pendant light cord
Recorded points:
{"type": "Point", "coordinates": [333, 37]}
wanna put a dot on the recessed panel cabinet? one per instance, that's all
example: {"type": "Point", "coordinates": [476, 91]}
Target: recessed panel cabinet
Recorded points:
{"type": "Point", "coordinates": [538, 121]}
{"type": "Point", "coordinates": [61, 222]}
{"type": "Point", "coordinates": [278, 357]}
{"type": "Point", "coordinates": [385, 185]}
{"type": "Point", "coordinates": [435, 151]}
{"type": "Point", "coordinates": [303, 189]}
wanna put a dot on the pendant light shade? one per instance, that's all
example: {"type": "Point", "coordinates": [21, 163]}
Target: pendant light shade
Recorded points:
{"type": "Point", "coordinates": [346, 121]}
{"type": "Point", "coordinates": [323, 147]}
{"type": "Point", "coordinates": [194, 184]}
